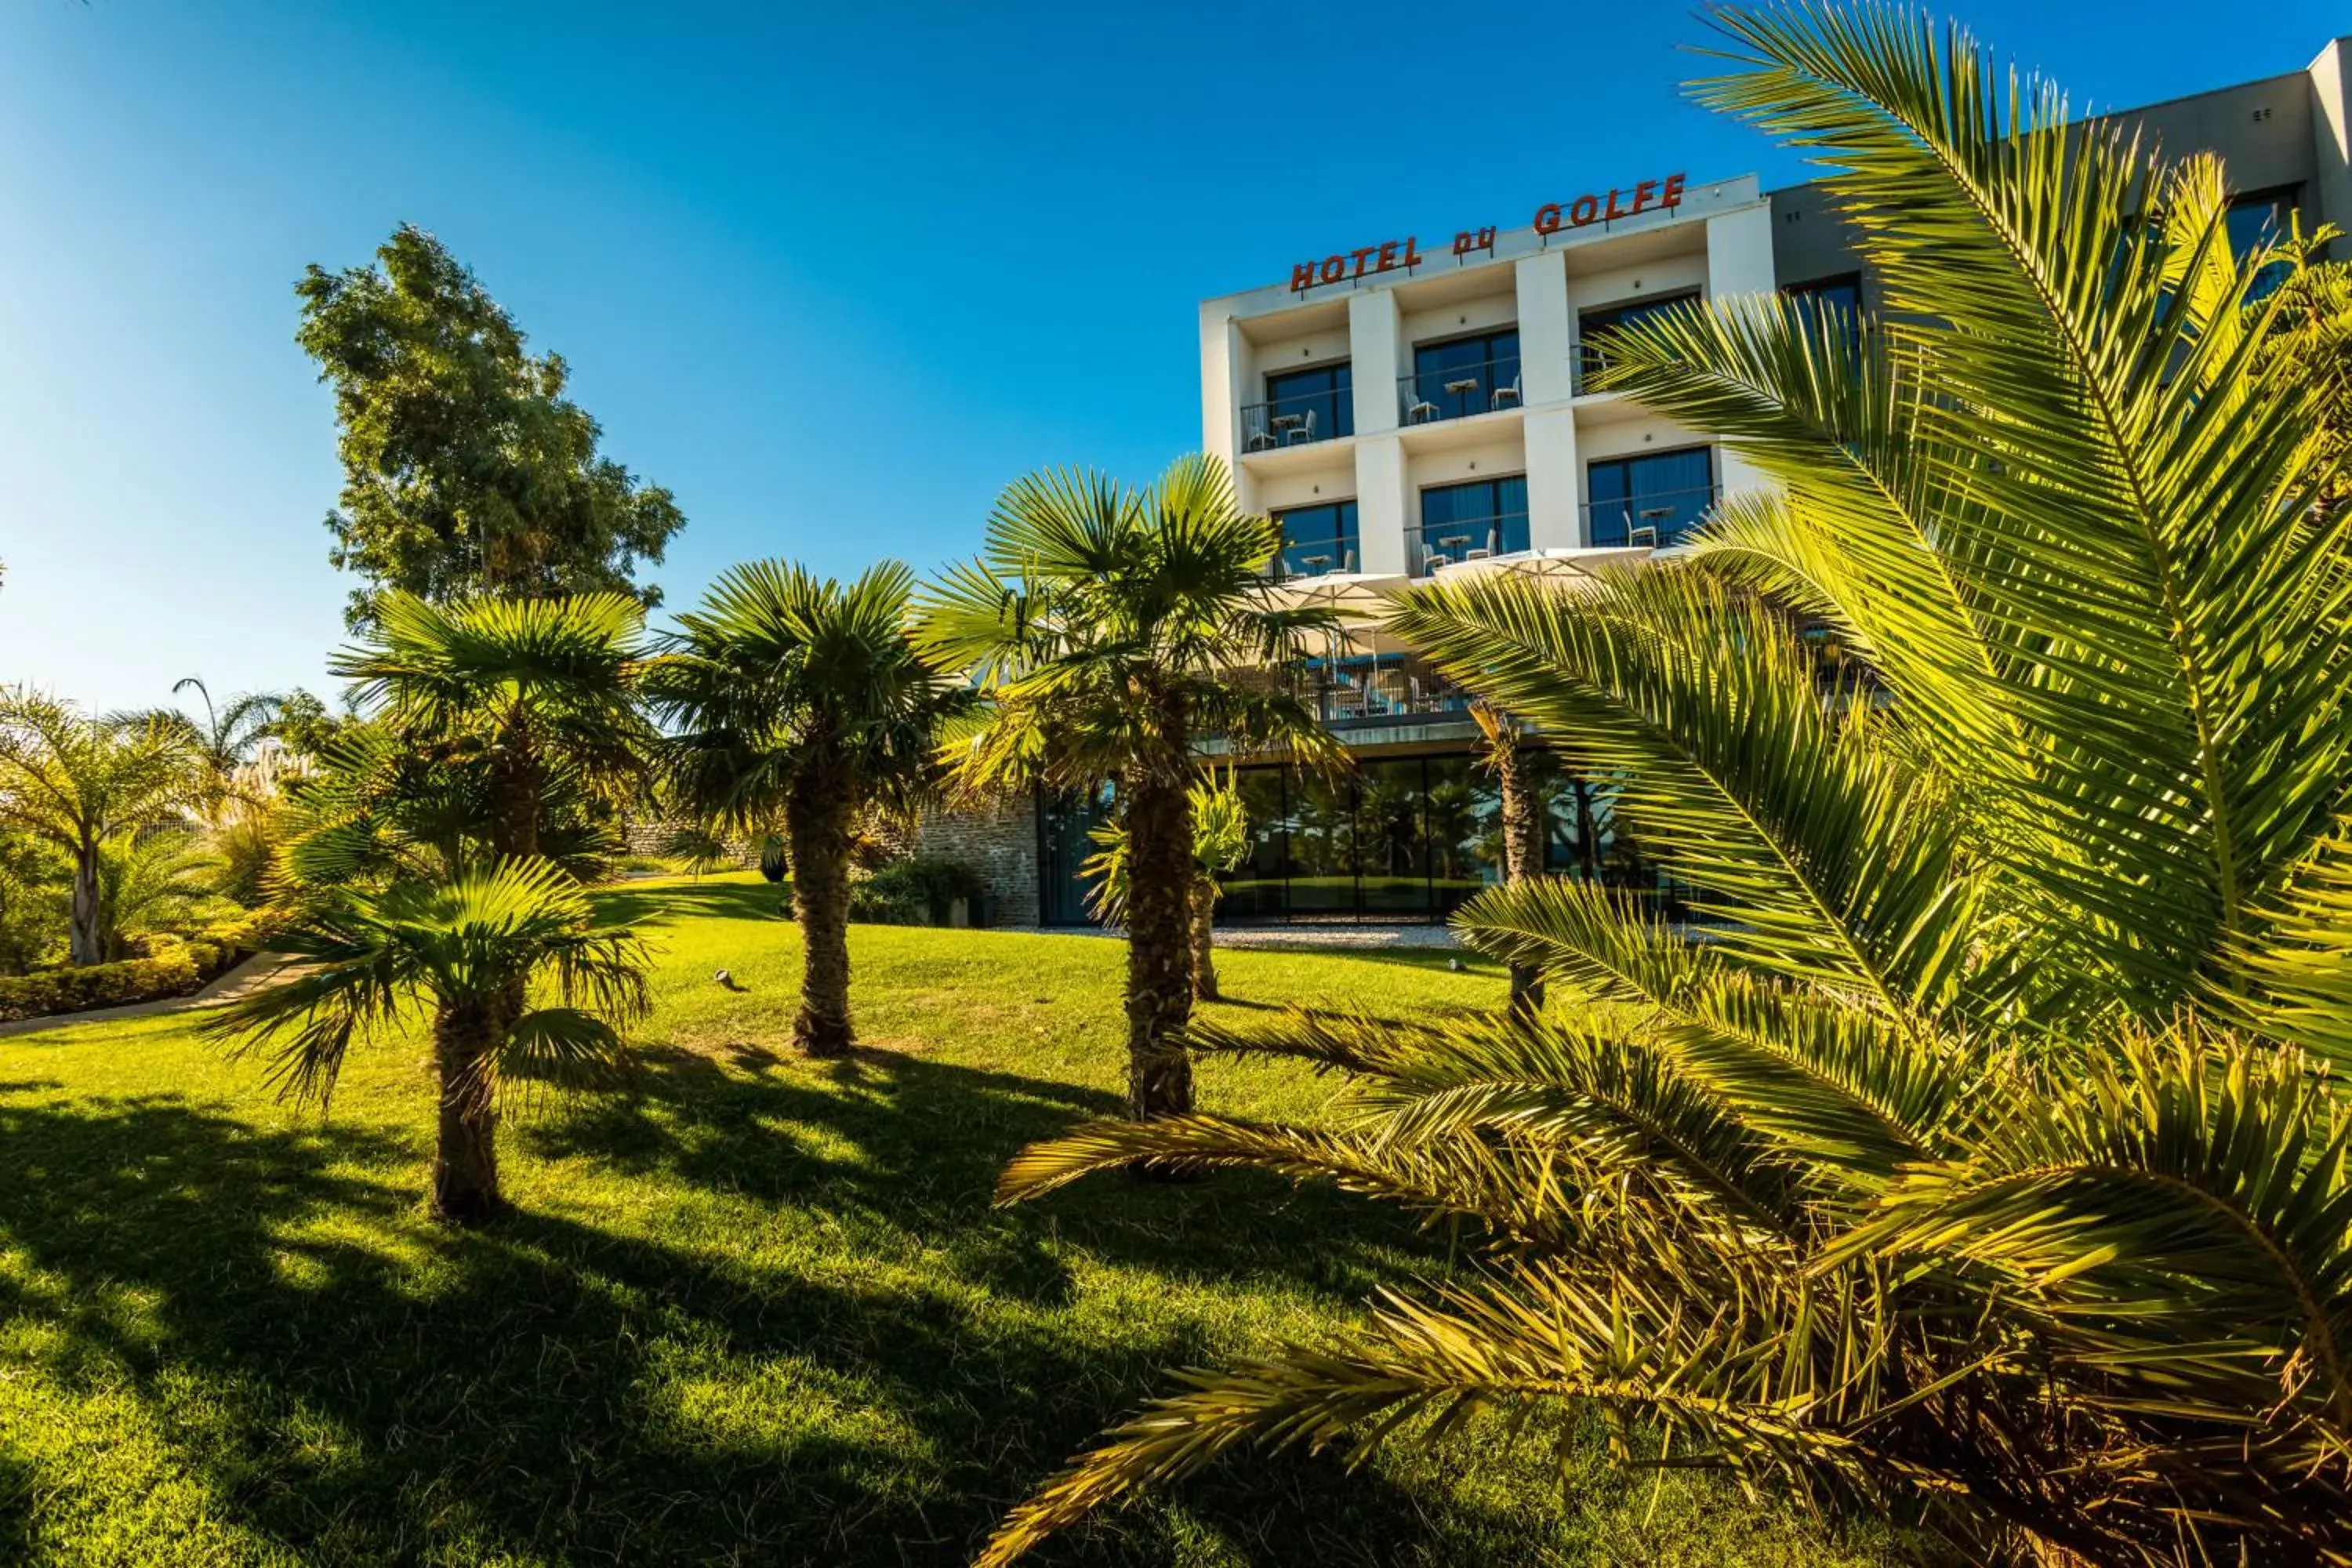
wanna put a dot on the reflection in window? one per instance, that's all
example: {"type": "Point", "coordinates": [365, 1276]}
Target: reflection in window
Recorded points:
{"type": "Point", "coordinates": [1463, 375]}
{"type": "Point", "coordinates": [1317, 539]}
{"type": "Point", "coordinates": [1841, 294]}
{"type": "Point", "coordinates": [1655, 498]}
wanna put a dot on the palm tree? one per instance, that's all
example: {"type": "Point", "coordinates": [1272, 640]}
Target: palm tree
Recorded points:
{"type": "Point", "coordinates": [229, 737]}
{"type": "Point", "coordinates": [376, 958]}
{"type": "Point", "coordinates": [1220, 841]}
{"type": "Point", "coordinates": [1112, 631]}
{"type": "Point", "coordinates": [159, 880]}
{"type": "Point", "coordinates": [1978, 1163]}
{"type": "Point", "coordinates": [1522, 826]}
{"type": "Point", "coordinates": [539, 692]}
{"type": "Point", "coordinates": [77, 783]}
{"type": "Point", "coordinates": [801, 699]}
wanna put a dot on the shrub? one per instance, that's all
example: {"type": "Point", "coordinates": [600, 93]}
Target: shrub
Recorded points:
{"type": "Point", "coordinates": [914, 891]}
{"type": "Point", "coordinates": [173, 972]}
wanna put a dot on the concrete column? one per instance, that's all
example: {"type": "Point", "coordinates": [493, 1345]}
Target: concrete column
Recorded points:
{"type": "Point", "coordinates": [1375, 352]}
{"type": "Point", "coordinates": [1380, 500]}
{"type": "Point", "coordinates": [2331, 139]}
{"type": "Point", "coordinates": [1554, 520]}
{"type": "Point", "coordinates": [1546, 332]}
{"type": "Point", "coordinates": [1223, 358]}
{"type": "Point", "coordinates": [1739, 262]}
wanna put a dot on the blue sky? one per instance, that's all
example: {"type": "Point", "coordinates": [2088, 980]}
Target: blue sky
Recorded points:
{"type": "Point", "coordinates": [834, 274]}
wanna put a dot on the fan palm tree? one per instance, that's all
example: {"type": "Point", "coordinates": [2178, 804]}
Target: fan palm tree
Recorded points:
{"type": "Point", "coordinates": [802, 699]}
{"type": "Point", "coordinates": [1112, 631]}
{"type": "Point", "coordinates": [78, 783]}
{"type": "Point", "coordinates": [451, 949]}
{"type": "Point", "coordinates": [1979, 1163]}
{"type": "Point", "coordinates": [527, 688]}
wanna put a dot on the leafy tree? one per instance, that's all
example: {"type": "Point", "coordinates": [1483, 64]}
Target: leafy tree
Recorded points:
{"type": "Point", "coordinates": [1112, 631]}
{"type": "Point", "coordinates": [1220, 841]}
{"type": "Point", "coordinates": [34, 876]}
{"type": "Point", "coordinates": [77, 783]}
{"type": "Point", "coordinates": [466, 471]}
{"type": "Point", "coordinates": [801, 699]}
{"type": "Point", "coordinates": [227, 740]}
{"type": "Point", "coordinates": [1982, 1167]}
{"type": "Point", "coordinates": [303, 724]}
{"type": "Point", "coordinates": [453, 948]}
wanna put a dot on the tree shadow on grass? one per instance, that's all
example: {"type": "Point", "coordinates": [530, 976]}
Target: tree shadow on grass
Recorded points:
{"type": "Point", "coordinates": [671, 903]}
{"type": "Point", "coordinates": [363, 1386]}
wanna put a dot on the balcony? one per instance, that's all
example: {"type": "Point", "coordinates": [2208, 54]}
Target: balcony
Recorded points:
{"type": "Point", "coordinates": [1658, 519]}
{"type": "Point", "coordinates": [1381, 688]}
{"type": "Point", "coordinates": [1459, 391]}
{"type": "Point", "coordinates": [1295, 421]}
{"type": "Point", "coordinates": [1436, 544]}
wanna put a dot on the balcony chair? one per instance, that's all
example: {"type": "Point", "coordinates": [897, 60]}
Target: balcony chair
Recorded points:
{"type": "Point", "coordinates": [1302, 431]}
{"type": "Point", "coordinates": [1262, 441]}
{"type": "Point", "coordinates": [1506, 395]}
{"type": "Point", "coordinates": [1420, 410]}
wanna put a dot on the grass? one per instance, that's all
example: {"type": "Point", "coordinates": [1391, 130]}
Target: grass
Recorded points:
{"type": "Point", "coordinates": [754, 1311]}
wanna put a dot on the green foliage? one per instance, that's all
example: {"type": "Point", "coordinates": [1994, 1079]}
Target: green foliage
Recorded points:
{"type": "Point", "coordinates": [175, 970]}
{"type": "Point", "coordinates": [1979, 1163]}
{"type": "Point", "coordinates": [1110, 630]}
{"type": "Point", "coordinates": [916, 890]}
{"type": "Point", "coordinates": [165, 881]}
{"type": "Point", "coordinates": [781, 678]}
{"type": "Point", "coordinates": [373, 957]}
{"type": "Point", "coordinates": [466, 471]}
{"type": "Point", "coordinates": [1220, 841]}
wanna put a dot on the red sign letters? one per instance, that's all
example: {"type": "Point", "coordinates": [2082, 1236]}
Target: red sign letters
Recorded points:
{"type": "Point", "coordinates": [1650, 195]}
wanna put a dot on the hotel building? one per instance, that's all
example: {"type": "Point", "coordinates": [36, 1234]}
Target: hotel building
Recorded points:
{"type": "Point", "coordinates": [1419, 405]}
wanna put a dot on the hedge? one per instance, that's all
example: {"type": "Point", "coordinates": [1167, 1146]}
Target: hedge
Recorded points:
{"type": "Point", "coordinates": [174, 974]}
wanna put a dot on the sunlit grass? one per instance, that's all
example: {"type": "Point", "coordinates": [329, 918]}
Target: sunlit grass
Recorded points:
{"type": "Point", "coordinates": [755, 1309]}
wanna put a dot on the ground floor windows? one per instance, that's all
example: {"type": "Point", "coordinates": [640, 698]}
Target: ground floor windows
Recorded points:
{"type": "Point", "coordinates": [1400, 838]}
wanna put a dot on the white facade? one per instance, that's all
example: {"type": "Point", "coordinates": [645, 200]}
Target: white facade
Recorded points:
{"type": "Point", "coordinates": [1462, 371]}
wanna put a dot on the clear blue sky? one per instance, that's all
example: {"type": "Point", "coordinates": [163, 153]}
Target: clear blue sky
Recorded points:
{"type": "Point", "coordinates": [832, 273]}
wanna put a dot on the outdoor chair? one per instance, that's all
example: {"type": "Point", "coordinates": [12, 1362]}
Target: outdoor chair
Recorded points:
{"type": "Point", "coordinates": [1302, 431]}
{"type": "Point", "coordinates": [1506, 395]}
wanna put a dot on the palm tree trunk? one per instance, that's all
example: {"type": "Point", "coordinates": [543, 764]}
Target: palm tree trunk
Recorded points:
{"type": "Point", "coordinates": [1159, 872]}
{"type": "Point", "coordinates": [465, 1159]}
{"type": "Point", "coordinates": [86, 938]}
{"type": "Point", "coordinates": [1522, 853]}
{"type": "Point", "coordinates": [1204, 957]}
{"type": "Point", "coordinates": [816, 822]}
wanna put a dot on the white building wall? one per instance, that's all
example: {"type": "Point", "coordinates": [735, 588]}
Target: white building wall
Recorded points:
{"type": "Point", "coordinates": [1739, 262]}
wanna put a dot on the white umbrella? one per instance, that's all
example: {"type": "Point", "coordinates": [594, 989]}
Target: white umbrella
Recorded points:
{"type": "Point", "coordinates": [1553, 565]}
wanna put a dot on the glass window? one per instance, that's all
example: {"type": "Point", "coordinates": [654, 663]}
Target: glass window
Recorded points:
{"type": "Point", "coordinates": [2263, 218]}
{"type": "Point", "coordinates": [1322, 824]}
{"type": "Point", "coordinates": [1463, 375]}
{"type": "Point", "coordinates": [1593, 354]}
{"type": "Point", "coordinates": [1317, 539]}
{"type": "Point", "coordinates": [1465, 831]}
{"type": "Point", "coordinates": [1254, 889]}
{"type": "Point", "coordinates": [1310, 405]}
{"type": "Point", "coordinates": [1665, 492]}
{"type": "Point", "coordinates": [1840, 294]}
{"type": "Point", "coordinates": [1391, 860]}
{"type": "Point", "coordinates": [1471, 522]}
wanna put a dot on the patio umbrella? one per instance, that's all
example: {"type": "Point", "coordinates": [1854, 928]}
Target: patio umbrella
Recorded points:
{"type": "Point", "coordinates": [1550, 565]}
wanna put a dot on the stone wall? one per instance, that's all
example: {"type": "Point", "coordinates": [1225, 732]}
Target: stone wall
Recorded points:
{"type": "Point", "coordinates": [1000, 843]}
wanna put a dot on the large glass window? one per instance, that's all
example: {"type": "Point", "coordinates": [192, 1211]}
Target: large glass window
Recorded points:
{"type": "Point", "coordinates": [1465, 830]}
{"type": "Point", "coordinates": [1254, 889]}
{"type": "Point", "coordinates": [1322, 861]}
{"type": "Point", "coordinates": [2263, 217]}
{"type": "Point", "coordinates": [1317, 539]}
{"type": "Point", "coordinates": [1471, 522]}
{"type": "Point", "coordinates": [1840, 294]}
{"type": "Point", "coordinates": [1308, 405]}
{"type": "Point", "coordinates": [1653, 499]}
{"type": "Point", "coordinates": [1592, 325]}
{"type": "Point", "coordinates": [1463, 375]}
{"type": "Point", "coordinates": [1391, 847]}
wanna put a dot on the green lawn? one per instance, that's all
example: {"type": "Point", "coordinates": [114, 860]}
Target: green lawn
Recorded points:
{"type": "Point", "coordinates": [755, 1311]}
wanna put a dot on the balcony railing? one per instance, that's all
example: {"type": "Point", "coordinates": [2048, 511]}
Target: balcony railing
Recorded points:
{"type": "Point", "coordinates": [1369, 690]}
{"type": "Point", "coordinates": [1302, 560]}
{"type": "Point", "coordinates": [1658, 519]}
{"type": "Point", "coordinates": [1436, 544]}
{"type": "Point", "coordinates": [1457, 391]}
{"type": "Point", "coordinates": [1295, 421]}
